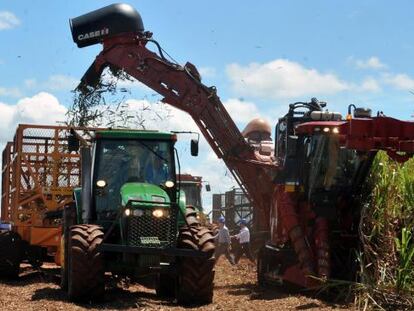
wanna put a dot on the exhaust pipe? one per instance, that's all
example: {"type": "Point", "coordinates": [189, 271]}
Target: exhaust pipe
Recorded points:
{"type": "Point", "coordinates": [86, 166]}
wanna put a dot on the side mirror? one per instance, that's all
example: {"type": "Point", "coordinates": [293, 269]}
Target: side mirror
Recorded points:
{"type": "Point", "coordinates": [194, 147]}
{"type": "Point", "coordinates": [208, 189]}
{"type": "Point", "coordinates": [73, 142]}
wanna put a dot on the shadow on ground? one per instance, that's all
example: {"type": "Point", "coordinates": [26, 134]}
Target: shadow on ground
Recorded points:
{"type": "Point", "coordinates": [115, 297]}
{"type": "Point", "coordinates": [256, 292]}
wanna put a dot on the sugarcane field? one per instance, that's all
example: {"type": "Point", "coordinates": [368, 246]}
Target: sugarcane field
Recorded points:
{"type": "Point", "coordinates": [187, 155]}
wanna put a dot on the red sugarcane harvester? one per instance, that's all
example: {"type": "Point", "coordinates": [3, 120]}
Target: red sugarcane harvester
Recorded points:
{"type": "Point", "coordinates": [303, 189]}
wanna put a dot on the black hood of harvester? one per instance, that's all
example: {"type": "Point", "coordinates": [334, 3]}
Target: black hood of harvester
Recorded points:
{"type": "Point", "coordinates": [114, 19]}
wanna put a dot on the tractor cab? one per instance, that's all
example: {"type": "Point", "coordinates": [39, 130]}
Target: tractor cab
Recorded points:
{"type": "Point", "coordinates": [191, 188]}
{"type": "Point", "coordinates": [133, 175]}
{"type": "Point", "coordinates": [190, 192]}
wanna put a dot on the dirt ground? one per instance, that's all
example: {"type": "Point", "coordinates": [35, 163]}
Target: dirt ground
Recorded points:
{"type": "Point", "coordinates": [235, 289]}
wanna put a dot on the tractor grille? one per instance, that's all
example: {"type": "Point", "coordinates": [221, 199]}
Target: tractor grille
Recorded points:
{"type": "Point", "coordinates": [149, 231]}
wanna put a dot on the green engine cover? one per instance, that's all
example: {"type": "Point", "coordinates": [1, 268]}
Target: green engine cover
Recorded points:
{"type": "Point", "coordinates": [143, 192]}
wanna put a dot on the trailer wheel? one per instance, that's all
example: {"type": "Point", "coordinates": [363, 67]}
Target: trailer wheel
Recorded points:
{"type": "Point", "coordinates": [195, 274]}
{"type": "Point", "coordinates": [85, 263]}
{"type": "Point", "coordinates": [10, 254]}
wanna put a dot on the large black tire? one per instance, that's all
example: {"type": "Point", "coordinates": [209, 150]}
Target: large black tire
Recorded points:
{"type": "Point", "coordinates": [275, 262]}
{"type": "Point", "coordinates": [69, 219]}
{"type": "Point", "coordinates": [195, 274]}
{"type": "Point", "coordinates": [166, 286]}
{"type": "Point", "coordinates": [10, 254]}
{"type": "Point", "coordinates": [34, 255]}
{"type": "Point", "coordinates": [262, 266]}
{"type": "Point", "coordinates": [86, 270]}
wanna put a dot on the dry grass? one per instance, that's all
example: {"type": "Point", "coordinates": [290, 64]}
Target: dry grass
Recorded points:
{"type": "Point", "coordinates": [235, 289]}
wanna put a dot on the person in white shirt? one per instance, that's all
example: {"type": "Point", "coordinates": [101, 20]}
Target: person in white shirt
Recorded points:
{"type": "Point", "coordinates": [223, 242]}
{"type": "Point", "coordinates": [244, 239]}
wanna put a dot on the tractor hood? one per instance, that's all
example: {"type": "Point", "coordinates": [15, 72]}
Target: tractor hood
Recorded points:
{"type": "Point", "coordinates": [143, 192]}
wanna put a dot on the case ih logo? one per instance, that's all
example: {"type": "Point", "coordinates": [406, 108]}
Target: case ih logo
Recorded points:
{"type": "Point", "coordinates": [93, 34]}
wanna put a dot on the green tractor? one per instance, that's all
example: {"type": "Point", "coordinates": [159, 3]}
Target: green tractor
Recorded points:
{"type": "Point", "coordinates": [128, 219]}
{"type": "Point", "coordinates": [191, 187]}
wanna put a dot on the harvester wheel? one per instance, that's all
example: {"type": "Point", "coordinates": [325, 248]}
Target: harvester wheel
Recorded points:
{"type": "Point", "coordinates": [10, 254]}
{"type": "Point", "coordinates": [195, 274]}
{"type": "Point", "coordinates": [85, 263]}
{"type": "Point", "coordinates": [262, 266]}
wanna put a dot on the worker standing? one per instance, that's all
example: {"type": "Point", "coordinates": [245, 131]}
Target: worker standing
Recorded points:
{"type": "Point", "coordinates": [223, 242]}
{"type": "Point", "coordinates": [244, 239]}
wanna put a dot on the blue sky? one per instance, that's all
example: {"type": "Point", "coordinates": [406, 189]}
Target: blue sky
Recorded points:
{"type": "Point", "coordinates": [261, 55]}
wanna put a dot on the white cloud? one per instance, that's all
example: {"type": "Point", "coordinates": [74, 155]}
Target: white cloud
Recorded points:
{"type": "Point", "coordinates": [282, 78]}
{"type": "Point", "coordinates": [10, 92]}
{"type": "Point", "coordinates": [30, 83]}
{"type": "Point", "coordinates": [42, 108]}
{"type": "Point", "coordinates": [370, 63]}
{"type": "Point", "coordinates": [241, 111]}
{"type": "Point", "coordinates": [370, 85]}
{"type": "Point", "coordinates": [61, 83]}
{"type": "Point", "coordinates": [399, 81]}
{"type": "Point", "coordinates": [8, 20]}
{"type": "Point", "coordinates": [207, 72]}
{"type": "Point", "coordinates": [56, 82]}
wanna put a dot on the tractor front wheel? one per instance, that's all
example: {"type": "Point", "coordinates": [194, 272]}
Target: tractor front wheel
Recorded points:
{"type": "Point", "coordinates": [10, 254]}
{"type": "Point", "coordinates": [166, 286]}
{"type": "Point", "coordinates": [85, 271]}
{"type": "Point", "coordinates": [195, 274]}
{"type": "Point", "coordinates": [69, 219]}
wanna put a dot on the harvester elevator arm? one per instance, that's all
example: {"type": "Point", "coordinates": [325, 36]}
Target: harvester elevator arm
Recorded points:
{"type": "Point", "coordinates": [181, 87]}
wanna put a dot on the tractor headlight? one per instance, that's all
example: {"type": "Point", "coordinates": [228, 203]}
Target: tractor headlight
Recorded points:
{"type": "Point", "coordinates": [101, 183]}
{"type": "Point", "coordinates": [127, 212]}
{"type": "Point", "coordinates": [335, 130]}
{"type": "Point", "coordinates": [158, 213]}
{"type": "Point", "coordinates": [326, 129]}
{"type": "Point", "coordinates": [169, 184]}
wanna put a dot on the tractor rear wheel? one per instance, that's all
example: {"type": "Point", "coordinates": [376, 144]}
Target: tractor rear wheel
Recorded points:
{"type": "Point", "coordinates": [85, 273]}
{"type": "Point", "coordinates": [10, 254]}
{"type": "Point", "coordinates": [195, 274]}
